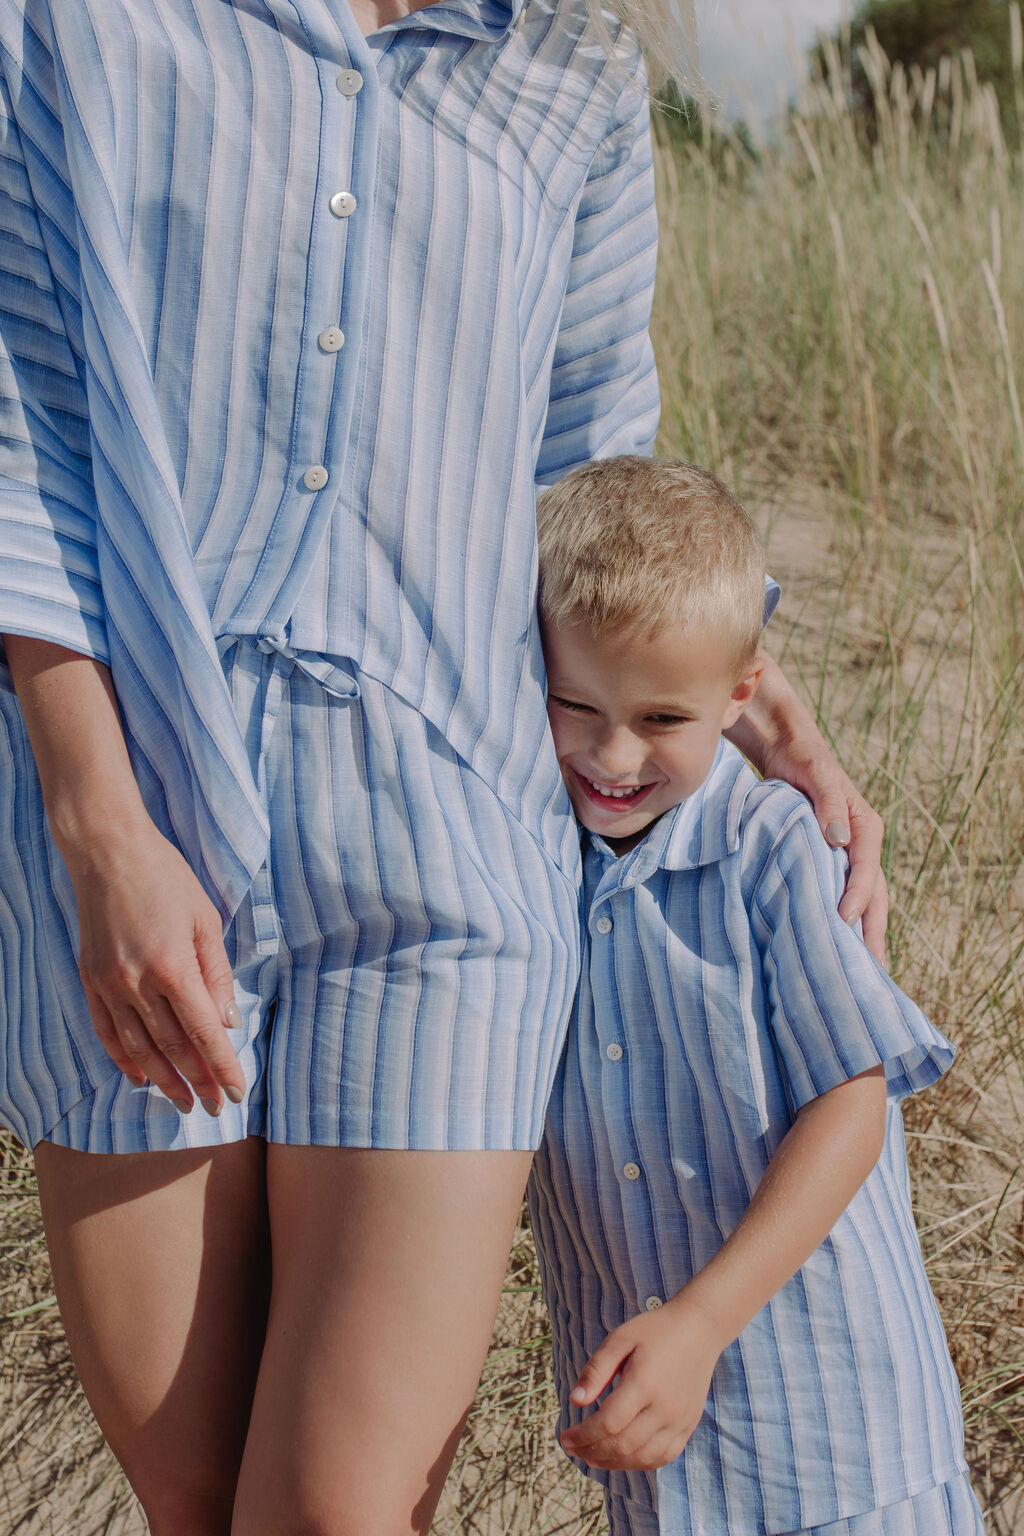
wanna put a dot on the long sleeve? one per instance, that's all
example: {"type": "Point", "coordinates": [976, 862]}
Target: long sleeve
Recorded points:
{"type": "Point", "coordinates": [49, 576]}
{"type": "Point", "coordinates": [604, 389]}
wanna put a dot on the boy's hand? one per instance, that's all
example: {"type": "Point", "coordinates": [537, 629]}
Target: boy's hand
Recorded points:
{"type": "Point", "coordinates": [664, 1360]}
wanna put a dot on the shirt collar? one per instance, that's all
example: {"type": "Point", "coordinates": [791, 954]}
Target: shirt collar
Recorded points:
{"type": "Point", "coordinates": [700, 830]}
{"type": "Point", "coordinates": [706, 827]}
{"type": "Point", "coordinates": [490, 19]}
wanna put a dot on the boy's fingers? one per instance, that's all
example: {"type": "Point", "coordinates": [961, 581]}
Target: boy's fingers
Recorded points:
{"type": "Point", "coordinates": [614, 1451]}
{"type": "Point", "coordinates": [603, 1364]}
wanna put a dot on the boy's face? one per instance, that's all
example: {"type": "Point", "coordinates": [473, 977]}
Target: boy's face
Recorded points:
{"type": "Point", "coordinates": [636, 720]}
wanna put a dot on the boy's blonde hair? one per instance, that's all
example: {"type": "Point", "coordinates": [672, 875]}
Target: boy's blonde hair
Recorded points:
{"type": "Point", "coordinates": [643, 543]}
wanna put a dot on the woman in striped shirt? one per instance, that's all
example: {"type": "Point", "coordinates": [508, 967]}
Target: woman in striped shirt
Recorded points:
{"type": "Point", "coordinates": [300, 302]}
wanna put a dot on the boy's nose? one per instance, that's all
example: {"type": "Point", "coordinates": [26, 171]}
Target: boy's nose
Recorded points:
{"type": "Point", "coordinates": [620, 754]}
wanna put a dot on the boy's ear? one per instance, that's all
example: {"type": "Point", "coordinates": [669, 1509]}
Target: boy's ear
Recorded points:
{"type": "Point", "coordinates": [744, 691]}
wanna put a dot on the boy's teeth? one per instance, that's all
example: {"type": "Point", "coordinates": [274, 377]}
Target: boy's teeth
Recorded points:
{"type": "Point", "coordinates": [616, 794]}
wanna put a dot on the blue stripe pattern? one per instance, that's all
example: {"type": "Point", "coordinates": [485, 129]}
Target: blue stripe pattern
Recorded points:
{"type": "Point", "coordinates": [721, 991]}
{"type": "Point", "coordinates": [240, 244]}
{"type": "Point", "coordinates": [949, 1509]}
{"type": "Point", "coordinates": [404, 961]}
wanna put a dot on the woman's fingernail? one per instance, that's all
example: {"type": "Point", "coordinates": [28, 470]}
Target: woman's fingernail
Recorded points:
{"type": "Point", "coordinates": [236, 1095]}
{"type": "Point", "coordinates": [212, 1106]}
{"type": "Point", "coordinates": [232, 1016]}
{"type": "Point", "coordinates": [855, 918]}
{"type": "Point", "coordinates": [577, 1394]}
{"type": "Point", "coordinates": [836, 833]}
{"type": "Point", "coordinates": [183, 1106]}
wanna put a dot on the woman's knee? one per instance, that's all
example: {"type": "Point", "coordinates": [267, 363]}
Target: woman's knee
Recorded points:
{"type": "Point", "coordinates": [176, 1505]}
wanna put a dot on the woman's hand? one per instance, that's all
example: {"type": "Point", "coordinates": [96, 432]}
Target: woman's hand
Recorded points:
{"type": "Point", "coordinates": [154, 968]}
{"type": "Point", "coordinates": [153, 963]}
{"type": "Point", "coordinates": [664, 1361]}
{"type": "Point", "coordinates": [778, 734]}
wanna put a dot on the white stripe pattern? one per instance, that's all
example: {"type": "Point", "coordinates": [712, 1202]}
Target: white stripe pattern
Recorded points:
{"type": "Point", "coordinates": [405, 960]}
{"type": "Point", "coordinates": [190, 452]}
{"type": "Point", "coordinates": [720, 992]}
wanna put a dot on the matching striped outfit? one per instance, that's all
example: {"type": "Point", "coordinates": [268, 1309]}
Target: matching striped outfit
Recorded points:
{"type": "Point", "coordinates": [292, 323]}
{"type": "Point", "coordinates": [721, 991]}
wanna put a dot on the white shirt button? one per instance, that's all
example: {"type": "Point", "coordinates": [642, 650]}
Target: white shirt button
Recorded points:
{"type": "Point", "coordinates": [603, 925]}
{"type": "Point", "coordinates": [653, 1303]}
{"type": "Point", "coordinates": [614, 1051]}
{"type": "Point", "coordinates": [316, 478]}
{"type": "Point", "coordinates": [631, 1171]}
{"type": "Point", "coordinates": [332, 340]}
{"type": "Point", "coordinates": [349, 82]}
{"type": "Point", "coordinates": [342, 204]}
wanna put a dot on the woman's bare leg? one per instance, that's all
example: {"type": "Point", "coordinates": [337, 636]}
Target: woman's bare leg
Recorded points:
{"type": "Point", "coordinates": [160, 1264]}
{"type": "Point", "coordinates": [387, 1271]}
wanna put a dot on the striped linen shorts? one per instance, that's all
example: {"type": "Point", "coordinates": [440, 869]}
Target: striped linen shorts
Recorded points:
{"type": "Point", "coordinates": [404, 961]}
{"type": "Point", "coordinates": [950, 1509]}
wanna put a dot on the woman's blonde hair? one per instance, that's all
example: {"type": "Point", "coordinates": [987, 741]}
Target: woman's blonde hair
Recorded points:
{"type": "Point", "coordinates": [639, 544]}
{"type": "Point", "coordinates": [666, 31]}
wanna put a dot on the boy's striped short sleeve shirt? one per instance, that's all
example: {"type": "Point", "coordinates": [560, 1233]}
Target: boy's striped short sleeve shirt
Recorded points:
{"type": "Point", "coordinates": [721, 991]}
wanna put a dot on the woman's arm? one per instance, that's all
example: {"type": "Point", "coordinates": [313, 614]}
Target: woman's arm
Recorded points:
{"type": "Point", "coordinates": [153, 963]}
{"type": "Point", "coordinates": [778, 734]}
{"type": "Point", "coordinates": [665, 1359]}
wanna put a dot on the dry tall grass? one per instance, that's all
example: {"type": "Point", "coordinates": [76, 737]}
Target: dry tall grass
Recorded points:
{"type": "Point", "coordinates": [840, 326]}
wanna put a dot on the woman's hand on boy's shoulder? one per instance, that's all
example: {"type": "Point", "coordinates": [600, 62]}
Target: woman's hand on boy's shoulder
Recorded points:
{"type": "Point", "coordinates": [663, 1360]}
{"type": "Point", "coordinates": [777, 732]}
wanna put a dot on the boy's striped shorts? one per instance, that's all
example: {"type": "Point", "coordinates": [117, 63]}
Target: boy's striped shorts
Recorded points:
{"type": "Point", "coordinates": [405, 960]}
{"type": "Point", "coordinates": [949, 1509]}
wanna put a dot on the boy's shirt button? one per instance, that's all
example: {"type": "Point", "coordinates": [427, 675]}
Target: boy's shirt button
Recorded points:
{"type": "Point", "coordinates": [632, 1172]}
{"type": "Point", "coordinates": [653, 1303]}
{"type": "Point", "coordinates": [603, 925]}
{"type": "Point", "coordinates": [343, 204]}
{"type": "Point", "coordinates": [614, 1051]}
{"type": "Point", "coordinates": [350, 82]}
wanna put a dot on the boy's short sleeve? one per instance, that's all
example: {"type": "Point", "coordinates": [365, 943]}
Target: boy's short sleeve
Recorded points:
{"type": "Point", "coordinates": [834, 1011]}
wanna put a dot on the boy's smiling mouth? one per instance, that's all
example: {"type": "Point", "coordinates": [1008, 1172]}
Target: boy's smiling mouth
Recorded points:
{"type": "Point", "coordinates": [612, 797]}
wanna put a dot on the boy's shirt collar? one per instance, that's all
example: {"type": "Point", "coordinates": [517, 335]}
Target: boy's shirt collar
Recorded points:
{"type": "Point", "coordinates": [701, 830]}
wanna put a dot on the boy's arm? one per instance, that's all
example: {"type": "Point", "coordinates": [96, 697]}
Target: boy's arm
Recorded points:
{"type": "Point", "coordinates": [664, 1359]}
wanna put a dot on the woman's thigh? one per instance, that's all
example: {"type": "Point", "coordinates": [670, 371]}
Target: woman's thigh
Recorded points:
{"type": "Point", "coordinates": [160, 1264]}
{"type": "Point", "coordinates": [388, 1266]}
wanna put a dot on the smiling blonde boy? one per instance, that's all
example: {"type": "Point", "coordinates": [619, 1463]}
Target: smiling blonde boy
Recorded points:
{"type": "Point", "coordinates": [721, 1201]}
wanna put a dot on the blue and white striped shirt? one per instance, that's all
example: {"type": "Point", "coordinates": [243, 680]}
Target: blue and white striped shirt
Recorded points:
{"type": "Point", "coordinates": [292, 321]}
{"type": "Point", "coordinates": [721, 991]}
